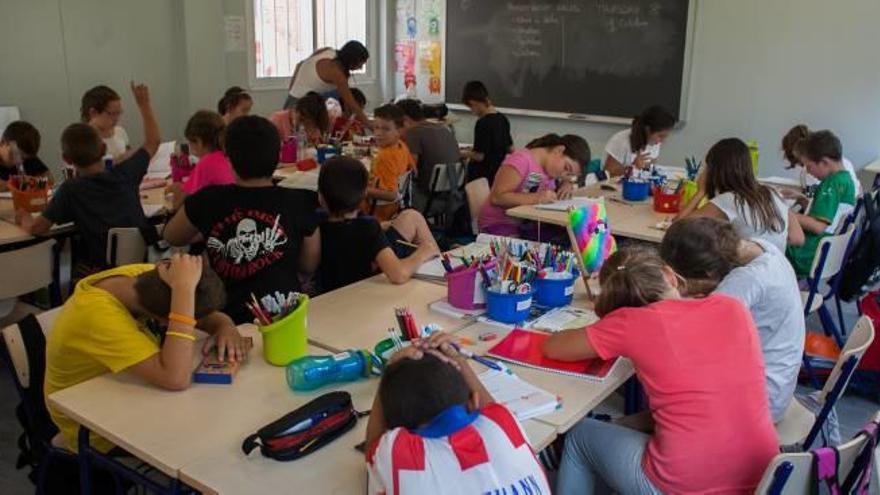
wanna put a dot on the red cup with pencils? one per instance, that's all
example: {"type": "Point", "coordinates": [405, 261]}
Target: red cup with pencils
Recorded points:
{"type": "Point", "coordinates": [666, 201]}
{"type": "Point", "coordinates": [466, 285]}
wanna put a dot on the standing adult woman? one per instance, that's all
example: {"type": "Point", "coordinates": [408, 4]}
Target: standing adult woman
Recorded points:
{"type": "Point", "coordinates": [326, 72]}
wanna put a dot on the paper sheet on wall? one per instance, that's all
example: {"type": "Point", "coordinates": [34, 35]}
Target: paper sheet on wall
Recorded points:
{"type": "Point", "coordinates": [234, 33]}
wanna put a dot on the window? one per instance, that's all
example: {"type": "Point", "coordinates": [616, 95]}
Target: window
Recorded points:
{"type": "Point", "coordinates": [286, 32]}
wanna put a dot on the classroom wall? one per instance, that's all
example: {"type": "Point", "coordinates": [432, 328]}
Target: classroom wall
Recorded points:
{"type": "Point", "coordinates": [759, 67]}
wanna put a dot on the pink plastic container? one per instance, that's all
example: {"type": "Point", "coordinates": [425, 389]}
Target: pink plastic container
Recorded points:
{"type": "Point", "coordinates": [465, 289]}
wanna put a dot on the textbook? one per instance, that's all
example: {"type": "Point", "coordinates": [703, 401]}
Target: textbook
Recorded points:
{"type": "Point", "coordinates": [522, 398]}
{"type": "Point", "coordinates": [523, 347]}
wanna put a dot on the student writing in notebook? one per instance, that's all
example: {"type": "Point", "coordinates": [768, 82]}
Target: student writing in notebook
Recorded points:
{"type": "Point", "coordinates": [434, 428]}
{"type": "Point", "coordinates": [714, 258]}
{"type": "Point", "coordinates": [639, 146]}
{"type": "Point", "coordinates": [204, 133]}
{"type": "Point", "coordinates": [528, 176]}
{"type": "Point", "coordinates": [353, 244]}
{"type": "Point", "coordinates": [789, 145]}
{"type": "Point", "coordinates": [101, 108]}
{"type": "Point", "coordinates": [309, 116]}
{"type": "Point", "coordinates": [26, 139]}
{"type": "Point", "coordinates": [345, 126]}
{"type": "Point", "coordinates": [718, 440]}
{"type": "Point", "coordinates": [728, 181]}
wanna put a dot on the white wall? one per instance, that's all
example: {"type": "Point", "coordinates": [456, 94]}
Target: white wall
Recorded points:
{"type": "Point", "coordinates": [760, 66]}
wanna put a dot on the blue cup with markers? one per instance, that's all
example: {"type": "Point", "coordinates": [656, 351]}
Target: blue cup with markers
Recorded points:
{"type": "Point", "coordinates": [636, 189]}
{"type": "Point", "coordinates": [510, 305]}
{"type": "Point", "coordinates": [555, 289]}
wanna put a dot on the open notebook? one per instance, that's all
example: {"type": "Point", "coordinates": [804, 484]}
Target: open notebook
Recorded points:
{"type": "Point", "coordinates": [523, 347]}
{"type": "Point", "coordinates": [522, 398]}
{"type": "Point", "coordinates": [433, 270]}
{"type": "Point", "coordinates": [567, 204]}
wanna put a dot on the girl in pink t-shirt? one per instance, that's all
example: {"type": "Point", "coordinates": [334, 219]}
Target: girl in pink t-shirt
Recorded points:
{"type": "Point", "coordinates": [701, 365]}
{"type": "Point", "coordinates": [204, 132]}
{"type": "Point", "coordinates": [528, 177]}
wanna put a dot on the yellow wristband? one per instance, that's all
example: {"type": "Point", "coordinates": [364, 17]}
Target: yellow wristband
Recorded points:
{"type": "Point", "coordinates": [186, 320]}
{"type": "Point", "coordinates": [181, 335]}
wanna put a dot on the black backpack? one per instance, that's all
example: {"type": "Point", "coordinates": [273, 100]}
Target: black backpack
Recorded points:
{"type": "Point", "coordinates": [862, 268]}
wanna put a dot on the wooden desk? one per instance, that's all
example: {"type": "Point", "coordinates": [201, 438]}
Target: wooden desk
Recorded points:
{"type": "Point", "coordinates": [358, 316]}
{"type": "Point", "coordinates": [628, 219]}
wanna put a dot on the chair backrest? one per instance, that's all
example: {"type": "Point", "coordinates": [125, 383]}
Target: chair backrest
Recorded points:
{"type": "Point", "coordinates": [26, 270]}
{"type": "Point", "coordinates": [823, 269]}
{"type": "Point", "coordinates": [440, 177]}
{"type": "Point", "coordinates": [856, 345]}
{"type": "Point", "coordinates": [792, 473]}
{"type": "Point", "coordinates": [477, 192]}
{"type": "Point", "coordinates": [126, 245]}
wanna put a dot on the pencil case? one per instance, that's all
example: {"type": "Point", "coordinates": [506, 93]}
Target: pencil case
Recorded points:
{"type": "Point", "coordinates": [304, 430]}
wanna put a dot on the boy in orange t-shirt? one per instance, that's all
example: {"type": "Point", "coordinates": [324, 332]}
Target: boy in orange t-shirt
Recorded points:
{"type": "Point", "coordinates": [391, 163]}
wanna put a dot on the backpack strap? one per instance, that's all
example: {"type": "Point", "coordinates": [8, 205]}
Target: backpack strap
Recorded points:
{"type": "Point", "coordinates": [826, 461]}
{"type": "Point", "coordinates": [859, 477]}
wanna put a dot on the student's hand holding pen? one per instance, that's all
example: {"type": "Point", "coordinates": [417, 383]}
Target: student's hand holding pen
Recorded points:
{"type": "Point", "coordinates": [546, 196]}
{"type": "Point", "coordinates": [565, 190]}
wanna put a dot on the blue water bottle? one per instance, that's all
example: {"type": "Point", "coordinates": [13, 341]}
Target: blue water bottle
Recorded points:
{"type": "Point", "coordinates": [311, 372]}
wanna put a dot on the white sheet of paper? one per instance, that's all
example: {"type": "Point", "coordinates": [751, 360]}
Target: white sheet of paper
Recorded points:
{"type": "Point", "coordinates": [160, 164]}
{"type": "Point", "coordinates": [566, 204]}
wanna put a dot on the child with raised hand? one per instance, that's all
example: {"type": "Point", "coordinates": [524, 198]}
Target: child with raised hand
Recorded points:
{"type": "Point", "coordinates": [728, 182]}
{"type": "Point", "coordinates": [25, 138]}
{"type": "Point", "coordinates": [432, 412]}
{"type": "Point", "coordinates": [101, 108]}
{"type": "Point", "coordinates": [822, 155]}
{"type": "Point", "coordinates": [529, 176]}
{"type": "Point", "coordinates": [204, 133]}
{"type": "Point", "coordinates": [352, 244]}
{"type": "Point", "coordinates": [714, 258]}
{"type": "Point", "coordinates": [97, 199]}
{"type": "Point", "coordinates": [113, 322]}
{"type": "Point", "coordinates": [492, 141]}
{"type": "Point", "coordinates": [677, 346]}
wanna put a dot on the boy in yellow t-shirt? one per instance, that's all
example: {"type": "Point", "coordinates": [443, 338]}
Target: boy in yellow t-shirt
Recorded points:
{"type": "Point", "coordinates": [103, 327]}
{"type": "Point", "coordinates": [392, 161]}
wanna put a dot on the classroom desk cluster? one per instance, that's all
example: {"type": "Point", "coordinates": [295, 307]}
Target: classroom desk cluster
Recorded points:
{"type": "Point", "coordinates": [195, 436]}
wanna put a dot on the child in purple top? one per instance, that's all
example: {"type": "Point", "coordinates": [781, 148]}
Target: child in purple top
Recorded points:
{"type": "Point", "coordinates": [204, 131]}
{"type": "Point", "coordinates": [528, 177]}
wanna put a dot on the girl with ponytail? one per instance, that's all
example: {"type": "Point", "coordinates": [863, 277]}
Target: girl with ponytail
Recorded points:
{"type": "Point", "coordinates": [639, 146]}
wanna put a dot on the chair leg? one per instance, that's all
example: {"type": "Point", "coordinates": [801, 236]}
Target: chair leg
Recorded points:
{"type": "Point", "coordinates": [814, 382]}
{"type": "Point", "coordinates": [829, 326]}
{"type": "Point", "coordinates": [85, 469]}
{"type": "Point", "coordinates": [840, 316]}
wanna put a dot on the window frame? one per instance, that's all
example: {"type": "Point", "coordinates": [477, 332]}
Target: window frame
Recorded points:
{"type": "Point", "coordinates": [281, 83]}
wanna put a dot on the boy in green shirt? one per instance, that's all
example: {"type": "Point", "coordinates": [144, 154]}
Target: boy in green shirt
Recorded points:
{"type": "Point", "coordinates": [821, 153]}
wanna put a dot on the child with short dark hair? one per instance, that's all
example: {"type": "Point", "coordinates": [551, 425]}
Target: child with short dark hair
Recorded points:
{"type": "Point", "coordinates": [101, 108]}
{"type": "Point", "coordinates": [352, 244]}
{"type": "Point", "coordinates": [492, 141]}
{"type": "Point", "coordinates": [260, 237]}
{"type": "Point", "coordinates": [789, 145]}
{"type": "Point", "coordinates": [431, 409]}
{"type": "Point", "coordinates": [98, 199]}
{"type": "Point", "coordinates": [390, 165]}
{"type": "Point", "coordinates": [113, 322]}
{"type": "Point", "coordinates": [821, 154]}
{"type": "Point", "coordinates": [236, 102]}
{"type": "Point", "coordinates": [347, 125]}
{"type": "Point", "coordinates": [204, 133]}
{"type": "Point", "coordinates": [430, 143]}
{"type": "Point", "coordinates": [26, 139]}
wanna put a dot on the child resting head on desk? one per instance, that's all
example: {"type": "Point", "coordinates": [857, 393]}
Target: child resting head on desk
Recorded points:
{"type": "Point", "coordinates": [434, 428]}
{"type": "Point", "coordinates": [352, 244]}
{"type": "Point", "coordinates": [98, 199]}
{"type": "Point", "coordinates": [113, 322]}
{"type": "Point", "coordinates": [18, 153]}
{"type": "Point", "coordinates": [529, 176]}
{"type": "Point", "coordinates": [677, 346]}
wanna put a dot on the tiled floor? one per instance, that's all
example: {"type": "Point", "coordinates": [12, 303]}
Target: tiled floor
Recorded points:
{"type": "Point", "coordinates": [853, 412]}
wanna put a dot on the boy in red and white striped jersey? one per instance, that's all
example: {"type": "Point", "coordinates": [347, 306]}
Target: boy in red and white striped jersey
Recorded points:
{"type": "Point", "coordinates": [435, 429]}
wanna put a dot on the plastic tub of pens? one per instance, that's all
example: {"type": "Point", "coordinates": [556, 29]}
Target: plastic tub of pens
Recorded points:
{"type": "Point", "coordinates": [282, 322]}
{"type": "Point", "coordinates": [555, 288]}
{"type": "Point", "coordinates": [667, 199]}
{"type": "Point", "coordinates": [30, 194]}
{"type": "Point", "coordinates": [636, 189]}
{"type": "Point", "coordinates": [511, 304]}
{"type": "Point", "coordinates": [466, 284]}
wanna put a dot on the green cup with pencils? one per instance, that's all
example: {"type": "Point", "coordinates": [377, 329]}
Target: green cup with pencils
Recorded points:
{"type": "Point", "coordinates": [285, 335]}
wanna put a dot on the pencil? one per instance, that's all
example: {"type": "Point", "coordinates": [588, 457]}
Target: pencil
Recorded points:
{"type": "Point", "coordinates": [408, 244]}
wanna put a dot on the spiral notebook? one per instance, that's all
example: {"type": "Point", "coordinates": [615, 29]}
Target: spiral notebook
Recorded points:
{"type": "Point", "coordinates": [523, 347]}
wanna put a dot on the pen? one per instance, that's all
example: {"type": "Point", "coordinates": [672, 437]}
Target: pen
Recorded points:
{"type": "Point", "coordinates": [470, 355]}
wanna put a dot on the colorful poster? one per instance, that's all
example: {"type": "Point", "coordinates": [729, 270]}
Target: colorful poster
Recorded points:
{"type": "Point", "coordinates": [406, 10]}
{"type": "Point", "coordinates": [429, 58]}
{"type": "Point", "coordinates": [405, 57]}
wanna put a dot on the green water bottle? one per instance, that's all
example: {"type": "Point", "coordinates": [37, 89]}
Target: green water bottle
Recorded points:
{"type": "Point", "coordinates": [753, 151]}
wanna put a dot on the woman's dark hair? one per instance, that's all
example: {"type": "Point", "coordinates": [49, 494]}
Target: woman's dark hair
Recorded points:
{"type": "Point", "coordinates": [631, 278]}
{"type": "Point", "coordinates": [652, 119]}
{"type": "Point", "coordinates": [412, 109]}
{"type": "Point", "coordinates": [252, 145]}
{"type": "Point", "coordinates": [25, 135]}
{"type": "Point", "coordinates": [97, 98]}
{"type": "Point", "coordinates": [231, 99]}
{"type": "Point", "coordinates": [154, 295]}
{"type": "Point", "coordinates": [729, 169]}
{"type": "Point", "coordinates": [821, 144]}
{"type": "Point", "coordinates": [475, 91]}
{"type": "Point", "coordinates": [313, 108]}
{"type": "Point", "coordinates": [701, 248]}
{"type": "Point", "coordinates": [790, 142]}
{"type": "Point", "coordinates": [207, 127]}
{"type": "Point", "coordinates": [342, 183]}
{"type": "Point", "coordinates": [414, 391]}
{"type": "Point", "coordinates": [576, 148]}
{"type": "Point", "coordinates": [352, 55]}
